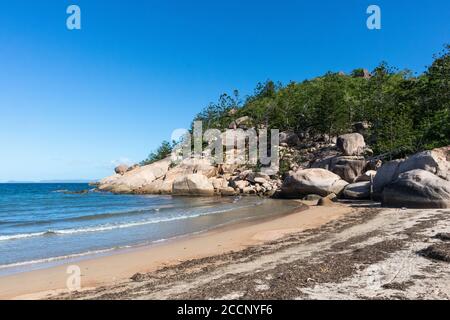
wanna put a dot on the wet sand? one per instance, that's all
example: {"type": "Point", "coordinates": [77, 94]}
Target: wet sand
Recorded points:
{"type": "Point", "coordinates": [118, 268]}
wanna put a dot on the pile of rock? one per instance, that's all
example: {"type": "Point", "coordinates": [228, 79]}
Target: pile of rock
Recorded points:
{"type": "Point", "coordinates": [328, 167]}
{"type": "Point", "coordinates": [248, 182]}
{"type": "Point", "coordinates": [351, 165]}
{"type": "Point", "coordinates": [420, 181]}
{"type": "Point", "coordinates": [316, 181]}
{"type": "Point", "coordinates": [193, 177]}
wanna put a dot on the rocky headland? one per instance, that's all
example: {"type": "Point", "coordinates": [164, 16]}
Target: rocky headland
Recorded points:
{"type": "Point", "coordinates": [332, 168]}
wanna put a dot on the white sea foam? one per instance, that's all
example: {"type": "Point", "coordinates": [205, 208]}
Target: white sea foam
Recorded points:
{"type": "Point", "coordinates": [109, 227]}
{"type": "Point", "coordinates": [54, 259]}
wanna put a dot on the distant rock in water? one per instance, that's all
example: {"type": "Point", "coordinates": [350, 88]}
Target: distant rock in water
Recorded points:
{"type": "Point", "coordinates": [76, 192]}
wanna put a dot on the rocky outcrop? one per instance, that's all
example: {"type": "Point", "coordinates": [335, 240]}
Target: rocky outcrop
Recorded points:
{"type": "Point", "coordinates": [241, 123]}
{"type": "Point", "coordinates": [351, 144]}
{"type": "Point", "coordinates": [385, 174]}
{"type": "Point", "coordinates": [121, 169]}
{"type": "Point", "coordinates": [319, 165]}
{"type": "Point", "coordinates": [257, 177]}
{"type": "Point", "coordinates": [219, 183]}
{"type": "Point", "coordinates": [192, 185]}
{"type": "Point", "coordinates": [108, 180]}
{"type": "Point", "coordinates": [132, 181]}
{"type": "Point", "coordinates": [159, 186]}
{"type": "Point", "coordinates": [347, 167]}
{"type": "Point", "coordinates": [311, 181]}
{"type": "Point", "coordinates": [134, 166]}
{"type": "Point", "coordinates": [164, 184]}
{"type": "Point", "coordinates": [358, 190]}
{"type": "Point", "coordinates": [417, 189]}
{"type": "Point", "coordinates": [434, 161]}
{"type": "Point", "coordinates": [289, 138]}
{"type": "Point", "coordinates": [192, 165]}
{"type": "Point", "coordinates": [361, 127]}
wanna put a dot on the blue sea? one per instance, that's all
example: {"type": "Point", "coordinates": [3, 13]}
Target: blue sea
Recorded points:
{"type": "Point", "coordinates": [48, 224]}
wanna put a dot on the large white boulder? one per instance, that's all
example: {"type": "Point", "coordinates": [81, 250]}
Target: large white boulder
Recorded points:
{"type": "Point", "coordinates": [312, 181]}
{"type": "Point", "coordinates": [109, 180]}
{"type": "Point", "coordinates": [192, 185]}
{"type": "Point", "coordinates": [164, 184]}
{"type": "Point", "coordinates": [134, 180]}
{"type": "Point", "coordinates": [190, 166]}
{"type": "Point", "coordinates": [417, 189]}
{"type": "Point", "coordinates": [159, 186]}
{"type": "Point", "coordinates": [434, 161]}
{"type": "Point", "coordinates": [351, 144]}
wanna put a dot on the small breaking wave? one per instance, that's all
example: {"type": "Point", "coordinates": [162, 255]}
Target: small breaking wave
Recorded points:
{"type": "Point", "coordinates": [109, 227]}
{"type": "Point", "coordinates": [54, 259]}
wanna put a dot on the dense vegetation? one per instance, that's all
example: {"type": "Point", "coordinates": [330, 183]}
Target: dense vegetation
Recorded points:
{"type": "Point", "coordinates": [406, 112]}
{"type": "Point", "coordinates": [162, 152]}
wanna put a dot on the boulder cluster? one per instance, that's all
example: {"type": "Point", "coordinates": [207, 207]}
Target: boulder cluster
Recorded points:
{"type": "Point", "coordinates": [336, 167]}
{"type": "Point", "coordinates": [348, 170]}
{"type": "Point", "coordinates": [420, 181]}
{"type": "Point", "coordinates": [191, 177]}
{"type": "Point", "coordinates": [324, 167]}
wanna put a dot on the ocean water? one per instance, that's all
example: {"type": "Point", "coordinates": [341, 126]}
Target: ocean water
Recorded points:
{"type": "Point", "coordinates": [48, 224]}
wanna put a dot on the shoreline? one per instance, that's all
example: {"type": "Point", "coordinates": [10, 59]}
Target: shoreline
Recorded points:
{"type": "Point", "coordinates": [50, 262]}
{"type": "Point", "coordinates": [367, 253]}
{"type": "Point", "coordinates": [117, 267]}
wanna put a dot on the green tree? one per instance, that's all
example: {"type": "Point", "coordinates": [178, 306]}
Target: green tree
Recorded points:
{"type": "Point", "coordinates": [331, 111]}
{"type": "Point", "coordinates": [162, 152]}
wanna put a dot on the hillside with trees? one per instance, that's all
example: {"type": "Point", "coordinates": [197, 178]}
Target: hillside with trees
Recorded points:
{"type": "Point", "coordinates": [406, 113]}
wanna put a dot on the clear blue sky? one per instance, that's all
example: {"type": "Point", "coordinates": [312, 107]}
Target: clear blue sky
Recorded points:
{"type": "Point", "coordinates": [73, 103]}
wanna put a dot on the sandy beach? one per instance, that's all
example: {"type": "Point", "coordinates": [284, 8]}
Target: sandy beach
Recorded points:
{"type": "Point", "coordinates": [338, 252]}
{"type": "Point", "coordinates": [117, 268]}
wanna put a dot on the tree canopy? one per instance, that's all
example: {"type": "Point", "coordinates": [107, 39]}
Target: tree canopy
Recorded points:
{"type": "Point", "coordinates": [405, 112]}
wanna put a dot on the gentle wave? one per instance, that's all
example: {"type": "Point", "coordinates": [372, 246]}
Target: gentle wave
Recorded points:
{"type": "Point", "coordinates": [103, 215]}
{"type": "Point", "coordinates": [114, 226]}
{"type": "Point", "coordinates": [98, 216]}
{"type": "Point", "coordinates": [53, 259]}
